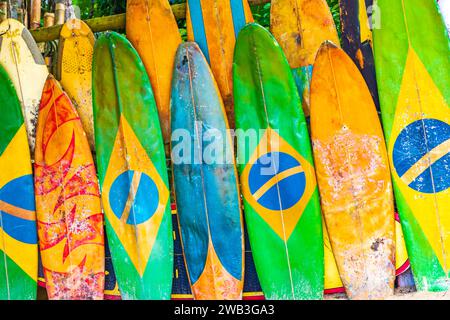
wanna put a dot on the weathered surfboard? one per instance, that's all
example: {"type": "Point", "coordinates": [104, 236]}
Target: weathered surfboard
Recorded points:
{"type": "Point", "coordinates": [68, 208]}
{"type": "Point", "coordinates": [18, 238]}
{"type": "Point", "coordinates": [300, 27]}
{"type": "Point", "coordinates": [153, 31]}
{"type": "Point", "coordinates": [411, 59]}
{"type": "Point", "coordinates": [357, 40]}
{"type": "Point", "coordinates": [76, 47]}
{"type": "Point", "coordinates": [276, 170]}
{"type": "Point", "coordinates": [20, 57]}
{"type": "Point", "coordinates": [206, 183]}
{"type": "Point", "coordinates": [214, 25]}
{"type": "Point", "coordinates": [353, 175]}
{"type": "Point", "coordinates": [132, 171]}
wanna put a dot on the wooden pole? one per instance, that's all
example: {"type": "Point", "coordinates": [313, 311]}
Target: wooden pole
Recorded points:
{"type": "Point", "coordinates": [35, 15]}
{"type": "Point", "coordinates": [3, 10]}
{"type": "Point", "coordinates": [60, 14]}
{"type": "Point", "coordinates": [49, 19]}
{"type": "Point", "coordinates": [114, 22]}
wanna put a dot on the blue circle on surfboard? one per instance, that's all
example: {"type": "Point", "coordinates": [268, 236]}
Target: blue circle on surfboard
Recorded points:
{"type": "Point", "coordinates": [418, 139]}
{"type": "Point", "coordinates": [18, 195]}
{"type": "Point", "coordinates": [266, 172]}
{"type": "Point", "coordinates": [143, 205]}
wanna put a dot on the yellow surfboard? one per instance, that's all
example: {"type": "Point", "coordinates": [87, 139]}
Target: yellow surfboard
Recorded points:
{"type": "Point", "coordinates": [76, 46]}
{"type": "Point", "coordinates": [353, 175]}
{"type": "Point", "coordinates": [20, 57]}
{"type": "Point", "coordinates": [153, 31]}
{"type": "Point", "coordinates": [300, 27]}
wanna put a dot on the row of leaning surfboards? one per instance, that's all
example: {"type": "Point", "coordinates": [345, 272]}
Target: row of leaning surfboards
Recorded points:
{"type": "Point", "coordinates": [128, 100]}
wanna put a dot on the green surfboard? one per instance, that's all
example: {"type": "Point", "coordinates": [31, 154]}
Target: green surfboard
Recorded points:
{"type": "Point", "coordinates": [132, 171]}
{"type": "Point", "coordinates": [275, 161]}
{"type": "Point", "coordinates": [412, 63]}
{"type": "Point", "coordinates": [18, 232]}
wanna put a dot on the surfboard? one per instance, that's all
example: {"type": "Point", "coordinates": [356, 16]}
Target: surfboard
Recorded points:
{"type": "Point", "coordinates": [132, 171]}
{"type": "Point", "coordinates": [357, 40]}
{"type": "Point", "coordinates": [214, 25]}
{"type": "Point", "coordinates": [153, 31]}
{"type": "Point", "coordinates": [352, 170]}
{"type": "Point", "coordinates": [404, 279]}
{"type": "Point", "coordinates": [18, 238]}
{"type": "Point", "coordinates": [411, 59]}
{"type": "Point", "coordinates": [206, 183]}
{"type": "Point", "coordinates": [20, 57]}
{"type": "Point", "coordinates": [444, 7]}
{"type": "Point", "coordinates": [277, 176]}
{"type": "Point", "coordinates": [68, 207]}
{"type": "Point", "coordinates": [332, 279]}
{"type": "Point", "coordinates": [76, 47]}
{"type": "Point", "coordinates": [300, 27]}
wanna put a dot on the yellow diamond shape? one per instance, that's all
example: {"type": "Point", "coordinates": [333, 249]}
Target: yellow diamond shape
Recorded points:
{"type": "Point", "coordinates": [419, 98]}
{"type": "Point", "coordinates": [284, 221]}
{"type": "Point", "coordinates": [129, 155]}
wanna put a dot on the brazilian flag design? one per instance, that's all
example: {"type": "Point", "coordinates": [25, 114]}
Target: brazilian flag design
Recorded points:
{"type": "Point", "coordinates": [413, 72]}
{"type": "Point", "coordinates": [276, 171]}
{"type": "Point", "coordinates": [18, 237]}
{"type": "Point", "coordinates": [132, 169]}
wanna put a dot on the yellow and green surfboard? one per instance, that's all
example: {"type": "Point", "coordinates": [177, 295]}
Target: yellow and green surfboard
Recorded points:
{"type": "Point", "coordinates": [18, 238]}
{"type": "Point", "coordinates": [132, 171]}
{"type": "Point", "coordinates": [413, 71]}
{"type": "Point", "coordinates": [278, 181]}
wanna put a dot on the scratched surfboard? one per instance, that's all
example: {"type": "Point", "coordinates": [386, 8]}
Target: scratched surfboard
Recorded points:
{"type": "Point", "coordinates": [69, 213]}
{"type": "Point", "coordinates": [21, 58]}
{"type": "Point", "coordinates": [214, 25]}
{"type": "Point", "coordinates": [353, 175]}
{"type": "Point", "coordinates": [300, 27]}
{"type": "Point", "coordinates": [132, 171]}
{"type": "Point", "coordinates": [74, 70]}
{"type": "Point", "coordinates": [276, 171]}
{"type": "Point", "coordinates": [18, 238]}
{"type": "Point", "coordinates": [357, 42]}
{"type": "Point", "coordinates": [411, 59]}
{"type": "Point", "coordinates": [206, 185]}
{"type": "Point", "coordinates": [153, 31]}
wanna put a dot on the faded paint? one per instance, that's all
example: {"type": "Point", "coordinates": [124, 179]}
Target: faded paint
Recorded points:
{"type": "Point", "coordinates": [353, 176]}
{"type": "Point", "coordinates": [69, 213]}
{"type": "Point", "coordinates": [20, 57]}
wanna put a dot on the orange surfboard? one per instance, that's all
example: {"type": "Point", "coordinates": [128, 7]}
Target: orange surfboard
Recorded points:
{"type": "Point", "coordinates": [153, 31]}
{"type": "Point", "coordinates": [69, 213]}
{"type": "Point", "coordinates": [215, 25]}
{"type": "Point", "coordinates": [353, 175]}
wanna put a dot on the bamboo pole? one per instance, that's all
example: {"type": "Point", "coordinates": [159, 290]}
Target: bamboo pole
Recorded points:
{"type": "Point", "coordinates": [3, 10]}
{"type": "Point", "coordinates": [114, 22]}
{"type": "Point", "coordinates": [60, 14]}
{"type": "Point", "coordinates": [35, 14]}
{"type": "Point", "coordinates": [49, 20]}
